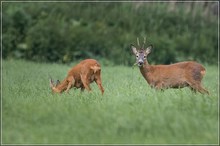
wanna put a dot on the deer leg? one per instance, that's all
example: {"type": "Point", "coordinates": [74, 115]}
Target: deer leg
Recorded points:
{"type": "Point", "coordinates": [71, 81]}
{"type": "Point", "coordinates": [159, 86]}
{"type": "Point", "coordinates": [192, 89]}
{"type": "Point", "coordinates": [82, 89]}
{"type": "Point", "coordinates": [85, 82]}
{"type": "Point", "coordinates": [68, 87]}
{"type": "Point", "coordinates": [99, 83]}
{"type": "Point", "coordinates": [197, 87]}
{"type": "Point", "coordinates": [202, 90]}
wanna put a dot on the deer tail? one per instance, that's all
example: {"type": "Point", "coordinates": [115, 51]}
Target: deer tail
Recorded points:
{"type": "Point", "coordinates": [95, 68]}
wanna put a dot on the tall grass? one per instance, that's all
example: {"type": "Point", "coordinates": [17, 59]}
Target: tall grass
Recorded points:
{"type": "Point", "coordinates": [129, 112]}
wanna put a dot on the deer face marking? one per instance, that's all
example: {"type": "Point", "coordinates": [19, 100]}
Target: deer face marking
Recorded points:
{"type": "Point", "coordinates": [141, 55]}
{"type": "Point", "coordinates": [140, 58]}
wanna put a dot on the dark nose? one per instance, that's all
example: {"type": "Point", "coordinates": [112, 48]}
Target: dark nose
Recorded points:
{"type": "Point", "coordinates": [140, 63]}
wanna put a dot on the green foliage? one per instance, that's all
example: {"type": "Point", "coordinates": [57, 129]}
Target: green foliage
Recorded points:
{"type": "Point", "coordinates": [64, 32]}
{"type": "Point", "coordinates": [129, 112]}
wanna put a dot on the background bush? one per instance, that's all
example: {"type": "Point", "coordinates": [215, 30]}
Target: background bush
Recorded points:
{"type": "Point", "coordinates": [65, 32]}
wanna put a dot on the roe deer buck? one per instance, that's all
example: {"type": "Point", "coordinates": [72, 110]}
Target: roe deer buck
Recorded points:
{"type": "Point", "coordinates": [178, 75]}
{"type": "Point", "coordinates": [80, 76]}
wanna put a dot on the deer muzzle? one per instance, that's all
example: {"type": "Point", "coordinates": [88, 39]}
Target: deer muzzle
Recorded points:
{"type": "Point", "coordinates": [140, 62]}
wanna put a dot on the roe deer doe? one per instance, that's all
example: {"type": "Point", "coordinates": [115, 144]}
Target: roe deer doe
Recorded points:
{"type": "Point", "coordinates": [80, 76]}
{"type": "Point", "coordinates": [178, 75]}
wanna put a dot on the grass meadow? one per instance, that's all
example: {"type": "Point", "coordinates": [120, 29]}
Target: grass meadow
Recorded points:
{"type": "Point", "coordinates": [129, 112]}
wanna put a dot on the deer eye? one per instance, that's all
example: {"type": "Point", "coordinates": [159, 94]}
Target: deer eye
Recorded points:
{"type": "Point", "coordinates": [144, 56]}
{"type": "Point", "coordinates": [137, 56]}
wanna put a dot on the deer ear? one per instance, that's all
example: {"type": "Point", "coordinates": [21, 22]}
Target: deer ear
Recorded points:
{"type": "Point", "coordinates": [134, 49]}
{"type": "Point", "coordinates": [51, 83]}
{"type": "Point", "coordinates": [148, 50]}
{"type": "Point", "coordinates": [57, 83]}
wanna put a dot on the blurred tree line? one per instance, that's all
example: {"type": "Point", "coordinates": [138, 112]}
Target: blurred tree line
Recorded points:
{"type": "Point", "coordinates": [68, 31]}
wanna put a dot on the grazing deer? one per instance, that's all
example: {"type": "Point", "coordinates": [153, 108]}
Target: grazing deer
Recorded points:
{"type": "Point", "coordinates": [80, 76]}
{"type": "Point", "coordinates": [178, 75]}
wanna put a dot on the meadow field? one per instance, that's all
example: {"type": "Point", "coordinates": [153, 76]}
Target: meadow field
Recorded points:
{"type": "Point", "coordinates": [129, 112]}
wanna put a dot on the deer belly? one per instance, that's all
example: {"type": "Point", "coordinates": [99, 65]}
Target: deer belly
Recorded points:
{"type": "Point", "coordinates": [174, 83]}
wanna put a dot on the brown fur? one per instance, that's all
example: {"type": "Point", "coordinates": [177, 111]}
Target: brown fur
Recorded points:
{"type": "Point", "coordinates": [80, 76]}
{"type": "Point", "coordinates": [178, 75]}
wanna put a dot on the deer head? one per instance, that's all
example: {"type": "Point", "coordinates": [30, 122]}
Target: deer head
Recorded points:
{"type": "Point", "coordinates": [141, 53]}
{"type": "Point", "coordinates": [54, 86]}
{"type": "Point", "coordinates": [52, 83]}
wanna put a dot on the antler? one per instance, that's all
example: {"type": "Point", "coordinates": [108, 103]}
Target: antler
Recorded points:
{"type": "Point", "coordinates": [138, 43]}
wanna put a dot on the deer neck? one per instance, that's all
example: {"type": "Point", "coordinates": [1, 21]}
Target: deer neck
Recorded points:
{"type": "Point", "coordinates": [61, 87]}
{"type": "Point", "coordinates": [145, 70]}
{"type": "Point", "coordinates": [145, 67]}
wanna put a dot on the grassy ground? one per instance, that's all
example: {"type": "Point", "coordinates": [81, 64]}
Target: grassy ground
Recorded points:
{"type": "Point", "coordinates": [130, 112]}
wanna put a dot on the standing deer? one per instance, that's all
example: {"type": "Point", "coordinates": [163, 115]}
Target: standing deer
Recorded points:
{"type": "Point", "coordinates": [178, 75]}
{"type": "Point", "coordinates": [80, 76]}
